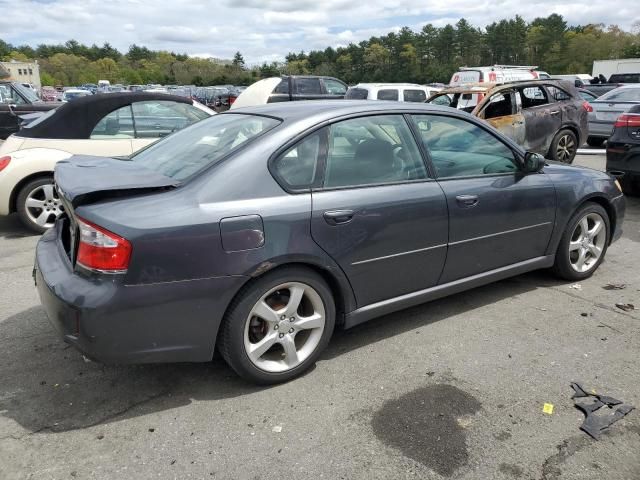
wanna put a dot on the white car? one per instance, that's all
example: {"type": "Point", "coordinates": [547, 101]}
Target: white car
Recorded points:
{"type": "Point", "coordinates": [73, 93]}
{"type": "Point", "coordinates": [399, 92]}
{"type": "Point", "coordinates": [115, 125]}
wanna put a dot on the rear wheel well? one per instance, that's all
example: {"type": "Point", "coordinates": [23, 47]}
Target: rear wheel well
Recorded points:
{"type": "Point", "coordinates": [332, 282]}
{"type": "Point", "coordinates": [16, 190]}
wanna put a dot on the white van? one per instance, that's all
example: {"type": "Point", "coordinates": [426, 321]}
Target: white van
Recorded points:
{"type": "Point", "coordinates": [398, 92]}
{"type": "Point", "coordinates": [493, 74]}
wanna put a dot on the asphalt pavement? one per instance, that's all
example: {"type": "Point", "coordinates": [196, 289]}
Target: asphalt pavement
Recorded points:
{"type": "Point", "coordinates": [450, 389]}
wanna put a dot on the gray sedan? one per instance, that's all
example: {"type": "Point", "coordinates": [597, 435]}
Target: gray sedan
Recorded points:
{"type": "Point", "coordinates": [606, 110]}
{"type": "Point", "coordinates": [259, 231]}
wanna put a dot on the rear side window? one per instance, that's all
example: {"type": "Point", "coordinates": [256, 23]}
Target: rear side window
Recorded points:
{"type": "Point", "coordinates": [297, 167]}
{"type": "Point", "coordinates": [372, 150]}
{"type": "Point", "coordinates": [307, 86]}
{"type": "Point", "coordinates": [117, 124]}
{"type": "Point", "coordinates": [558, 94]}
{"type": "Point", "coordinates": [533, 97]}
{"type": "Point", "coordinates": [203, 144]}
{"type": "Point", "coordinates": [625, 78]}
{"type": "Point", "coordinates": [355, 93]}
{"type": "Point", "coordinates": [388, 94]}
{"type": "Point", "coordinates": [414, 96]}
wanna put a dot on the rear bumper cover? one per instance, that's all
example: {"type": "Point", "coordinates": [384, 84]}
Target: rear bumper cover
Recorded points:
{"type": "Point", "coordinates": [116, 323]}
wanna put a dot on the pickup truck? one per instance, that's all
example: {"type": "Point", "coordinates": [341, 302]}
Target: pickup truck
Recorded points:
{"type": "Point", "coordinates": [17, 100]}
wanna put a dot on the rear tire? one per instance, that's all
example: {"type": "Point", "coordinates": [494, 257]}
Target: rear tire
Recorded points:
{"type": "Point", "coordinates": [595, 141]}
{"type": "Point", "coordinates": [564, 146]}
{"type": "Point", "coordinates": [278, 325]}
{"type": "Point", "coordinates": [38, 204]}
{"type": "Point", "coordinates": [583, 244]}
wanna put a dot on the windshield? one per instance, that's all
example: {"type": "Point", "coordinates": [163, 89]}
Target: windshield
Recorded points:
{"type": "Point", "coordinates": [27, 93]}
{"type": "Point", "coordinates": [190, 150]}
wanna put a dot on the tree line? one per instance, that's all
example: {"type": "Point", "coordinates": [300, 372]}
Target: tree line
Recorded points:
{"type": "Point", "coordinates": [429, 55]}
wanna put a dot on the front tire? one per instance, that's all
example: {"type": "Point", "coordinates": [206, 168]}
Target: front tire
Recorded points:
{"type": "Point", "coordinates": [38, 204]}
{"type": "Point", "coordinates": [584, 243]}
{"type": "Point", "coordinates": [564, 146]}
{"type": "Point", "coordinates": [278, 325]}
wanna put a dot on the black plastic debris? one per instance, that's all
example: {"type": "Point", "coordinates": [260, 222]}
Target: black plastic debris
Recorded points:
{"type": "Point", "coordinates": [627, 307]}
{"type": "Point", "coordinates": [595, 424]}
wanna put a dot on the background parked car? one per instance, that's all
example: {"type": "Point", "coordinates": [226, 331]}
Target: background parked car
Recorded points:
{"type": "Point", "coordinates": [623, 150]}
{"type": "Point", "coordinates": [607, 109]}
{"type": "Point", "coordinates": [117, 124]}
{"type": "Point", "coordinates": [17, 100]}
{"type": "Point", "coordinates": [73, 93]}
{"type": "Point", "coordinates": [401, 92]}
{"type": "Point", "coordinates": [544, 116]}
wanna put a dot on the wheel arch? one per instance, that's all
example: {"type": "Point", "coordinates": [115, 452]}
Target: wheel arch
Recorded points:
{"type": "Point", "coordinates": [604, 203]}
{"type": "Point", "coordinates": [18, 186]}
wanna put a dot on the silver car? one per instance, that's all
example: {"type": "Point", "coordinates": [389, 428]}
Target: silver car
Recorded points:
{"type": "Point", "coordinates": [607, 108]}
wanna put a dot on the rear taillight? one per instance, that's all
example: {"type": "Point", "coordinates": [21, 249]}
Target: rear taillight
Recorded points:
{"type": "Point", "coordinates": [232, 99]}
{"type": "Point", "coordinates": [102, 250]}
{"type": "Point", "coordinates": [587, 106]}
{"type": "Point", "coordinates": [4, 161]}
{"type": "Point", "coordinates": [630, 120]}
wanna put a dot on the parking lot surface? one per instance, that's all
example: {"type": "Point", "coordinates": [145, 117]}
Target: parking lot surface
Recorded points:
{"type": "Point", "coordinates": [450, 389]}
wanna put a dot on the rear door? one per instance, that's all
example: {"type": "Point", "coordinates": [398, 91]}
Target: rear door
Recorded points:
{"type": "Point", "coordinates": [377, 212]}
{"type": "Point", "coordinates": [542, 118]}
{"type": "Point", "coordinates": [498, 215]}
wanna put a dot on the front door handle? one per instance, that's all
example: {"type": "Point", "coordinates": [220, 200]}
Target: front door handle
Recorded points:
{"type": "Point", "coordinates": [338, 217]}
{"type": "Point", "coordinates": [555, 112]}
{"type": "Point", "coordinates": [467, 201]}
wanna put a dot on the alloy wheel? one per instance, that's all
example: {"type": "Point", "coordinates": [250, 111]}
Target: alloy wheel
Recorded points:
{"type": "Point", "coordinates": [43, 206]}
{"type": "Point", "coordinates": [284, 327]}
{"type": "Point", "coordinates": [587, 242]}
{"type": "Point", "coordinates": [566, 148]}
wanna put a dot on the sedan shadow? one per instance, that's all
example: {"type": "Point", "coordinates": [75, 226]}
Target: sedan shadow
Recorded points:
{"type": "Point", "coordinates": [48, 386]}
{"type": "Point", "coordinates": [12, 227]}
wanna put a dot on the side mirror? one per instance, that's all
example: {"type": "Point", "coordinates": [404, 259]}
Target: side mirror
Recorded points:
{"type": "Point", "coordinates": [533, 162]}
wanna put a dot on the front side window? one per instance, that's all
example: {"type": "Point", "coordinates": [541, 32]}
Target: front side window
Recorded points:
{"type": "Point", "coordinates": [158, 118]}
{"type": "Point", "coordinates": [282, 87]}
{"type": "Point", "coordinates": [116, 125]}
{"type": "Point", "coordinates": [334, 87]}
{"type": "Point", "coordinates": [500, 104]}
{"type": "Point", "coordinates": [388, 94]}
{"type": "Point", "coordinates": [8, 94]}
{"type": "Point", "coordinates": [459, 148]}
{"type": "Point", "coordinates": [298, 166]}
{"type": "Point", "coordinates": [415, 96]}
{"type": "Point", "coordinates": [203, 144]}
{"type": "Point", "coordinates": [372, 150]}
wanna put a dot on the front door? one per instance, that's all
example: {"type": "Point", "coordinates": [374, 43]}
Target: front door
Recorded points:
{"type": "Point", "coordinates": [377, 213]}
{"type": "Point", "coordinates": [504, 112]}
{"type": "Point", "coordinates": [498, 215]}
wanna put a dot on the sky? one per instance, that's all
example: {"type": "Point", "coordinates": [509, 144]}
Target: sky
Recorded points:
{"type": "Point", "coordinates": [266, 30]}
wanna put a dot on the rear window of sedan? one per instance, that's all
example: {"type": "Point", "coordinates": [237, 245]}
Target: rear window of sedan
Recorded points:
{"type": "Point", "coordinates": [205, 143]}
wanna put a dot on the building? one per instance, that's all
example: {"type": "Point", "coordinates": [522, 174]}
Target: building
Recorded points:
{"type": "Point", "coordinates": [23, 72]}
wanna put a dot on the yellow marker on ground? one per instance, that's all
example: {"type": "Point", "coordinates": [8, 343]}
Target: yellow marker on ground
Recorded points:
{"type": "Point", "coordinates": [547, 408]}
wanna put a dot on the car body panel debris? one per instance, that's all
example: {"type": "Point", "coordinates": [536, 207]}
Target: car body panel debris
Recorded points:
{"type": "Point", "coordinates": [594, 424]}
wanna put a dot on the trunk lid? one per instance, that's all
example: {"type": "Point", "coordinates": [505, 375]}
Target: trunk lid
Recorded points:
{"type": "Point", "coordinates": [84, 179]}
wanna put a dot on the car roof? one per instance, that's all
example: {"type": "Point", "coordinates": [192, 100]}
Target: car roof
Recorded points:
{"type": "Point", "coordinates": [489, 86]}
{"type": "Point", "coordinates": [77, 119]}
{"type": "Point", "coordinates": [319, 110]}
{"type": "Point", "coordinates": [388, 85]}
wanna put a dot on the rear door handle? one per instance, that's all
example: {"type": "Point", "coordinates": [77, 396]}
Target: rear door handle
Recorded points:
{"type": "Point", "coordinates": [467, 201]}
{"type": "Point", "coordinates": [338, 217]}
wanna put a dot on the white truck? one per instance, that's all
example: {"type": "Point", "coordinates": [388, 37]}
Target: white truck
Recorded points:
{"type": "Point", "coordinates": [607, 68]}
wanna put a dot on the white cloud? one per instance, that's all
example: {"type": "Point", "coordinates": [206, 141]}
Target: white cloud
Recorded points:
{"type": "Point", "coordinates": [266, 30]}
